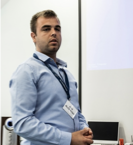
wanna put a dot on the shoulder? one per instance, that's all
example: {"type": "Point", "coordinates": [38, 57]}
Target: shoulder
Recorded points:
{"type": "Point", "coordinates": [26, 66]}
{"type": "Point", "coordinates": [28, 69]}
{"type": "Point", "coordinates": [71, 77]}
{"type": "Point", "coordinates": [30, 65]}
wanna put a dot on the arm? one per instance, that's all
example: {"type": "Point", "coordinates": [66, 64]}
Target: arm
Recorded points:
{"type": "Point", "coordinates": [82, 121]}
{"type": "Point", "coordinates": [24, 97]}
{"type": "Point", "coordinates": [85, 135]}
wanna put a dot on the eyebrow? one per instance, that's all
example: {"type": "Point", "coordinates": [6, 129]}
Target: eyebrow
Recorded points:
{"type": "Point", "coordinates": [45, 26]}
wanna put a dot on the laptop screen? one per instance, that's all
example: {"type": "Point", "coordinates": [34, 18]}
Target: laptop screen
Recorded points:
{"type": "Point", "coordinates": [107, 131]}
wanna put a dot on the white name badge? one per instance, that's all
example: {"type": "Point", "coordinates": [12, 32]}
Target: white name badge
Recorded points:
{"type": "Point", "coordinates": [70, 109]}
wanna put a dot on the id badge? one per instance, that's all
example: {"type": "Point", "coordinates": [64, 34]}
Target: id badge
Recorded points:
{"type": "Point", "coordinates": [70, 109]}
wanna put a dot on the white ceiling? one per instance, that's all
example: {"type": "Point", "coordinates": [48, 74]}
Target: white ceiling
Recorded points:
{"type": "Point", "coordinates": [3, 2]}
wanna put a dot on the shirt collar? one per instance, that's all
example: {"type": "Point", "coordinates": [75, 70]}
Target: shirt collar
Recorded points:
{"type": "Point", "coordinates": [45, 58]}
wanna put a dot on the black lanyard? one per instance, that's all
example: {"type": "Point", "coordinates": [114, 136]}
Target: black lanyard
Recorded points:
{"type": "Point", "coordinates": [64, 85]}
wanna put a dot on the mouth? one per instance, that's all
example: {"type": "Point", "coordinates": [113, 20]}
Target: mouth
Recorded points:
{"type": "Point", "coordinates": [53, 41]}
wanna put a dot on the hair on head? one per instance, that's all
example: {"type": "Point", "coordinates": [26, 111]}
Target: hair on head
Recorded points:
{"type": "Point", "coordinates": [45, 13]}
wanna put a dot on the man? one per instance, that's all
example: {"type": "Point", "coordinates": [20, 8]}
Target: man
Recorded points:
{"type": "Point", "coordinates": [45, 108]}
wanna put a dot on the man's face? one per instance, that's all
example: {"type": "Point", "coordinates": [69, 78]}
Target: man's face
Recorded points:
{"type": "Point", "coordinates": [48, 35]}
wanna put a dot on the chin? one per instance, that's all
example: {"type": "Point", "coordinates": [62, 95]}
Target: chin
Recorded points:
{"type": "Point", "coordinates": [55, 49]}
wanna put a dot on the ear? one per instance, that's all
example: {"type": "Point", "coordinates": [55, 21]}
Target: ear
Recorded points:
{"type": "Point", "coordinates": [33, 36]}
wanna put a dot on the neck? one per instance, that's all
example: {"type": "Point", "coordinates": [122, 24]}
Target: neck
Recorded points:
{"type": "Point", "coordinates": [52, 56]}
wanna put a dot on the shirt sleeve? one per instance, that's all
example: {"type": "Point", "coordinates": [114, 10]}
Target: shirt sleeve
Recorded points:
{"type": "Point", "coordinates": [82, 121]}
{"type": "Point", "coordinates": [23, 101]}
{"type": "Point", "coordinates": [81, 118]}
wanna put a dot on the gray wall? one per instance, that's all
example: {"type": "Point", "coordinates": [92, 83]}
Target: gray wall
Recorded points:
{"type": "Point", "coordinates": [17, 45]}
{"type": "Point", "coordinates": [107, 94]}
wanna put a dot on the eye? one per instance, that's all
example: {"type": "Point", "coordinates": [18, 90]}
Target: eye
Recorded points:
{"type": "Point", "coordinates": [46, 29]}
{"type": "Point", "coordinates": [58, 29]}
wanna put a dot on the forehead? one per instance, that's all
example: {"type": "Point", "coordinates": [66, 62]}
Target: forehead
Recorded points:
{"type": "Point", "coordinates": [52, 21]}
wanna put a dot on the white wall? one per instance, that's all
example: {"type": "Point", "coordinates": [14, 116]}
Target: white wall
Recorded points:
{"type": "Point", "coordinates": [17, 46]}
{"type": "Point", "coordinates": [107, 92]}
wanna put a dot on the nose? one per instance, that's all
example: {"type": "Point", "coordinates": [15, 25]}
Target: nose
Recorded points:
{"type": "Point", "coordinates": [53, 33]}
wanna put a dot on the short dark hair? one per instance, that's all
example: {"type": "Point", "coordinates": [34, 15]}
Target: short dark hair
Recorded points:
{"type": "Point", "coordinates": [45, 13]}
